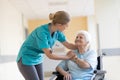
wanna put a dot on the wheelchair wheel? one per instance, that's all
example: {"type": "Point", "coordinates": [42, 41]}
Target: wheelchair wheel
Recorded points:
{"type": "Point", "coordinates": [99, 77]}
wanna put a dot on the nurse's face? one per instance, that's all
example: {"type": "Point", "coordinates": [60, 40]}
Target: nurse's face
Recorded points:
{"type": "Point", "coordinates": [62, 27]}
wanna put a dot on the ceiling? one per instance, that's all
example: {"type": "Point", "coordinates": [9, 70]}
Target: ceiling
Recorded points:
{"type": "Point", "coordinates": [39, 9]}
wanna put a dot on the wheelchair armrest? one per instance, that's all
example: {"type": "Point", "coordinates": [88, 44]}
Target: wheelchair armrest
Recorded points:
{"type": "Point", "coordinates": [56, 73]}
{"type": "Point", "coordinates": [99, 71]}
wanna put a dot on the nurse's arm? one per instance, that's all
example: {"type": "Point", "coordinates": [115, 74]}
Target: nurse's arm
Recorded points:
{"type": "Point", "coordinates": [69, 45]}
{"type": "Point", "coordinates": [51, 55]}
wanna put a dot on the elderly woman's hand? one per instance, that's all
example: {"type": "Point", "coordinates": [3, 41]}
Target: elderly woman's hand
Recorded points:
{"type": "Point", "coordinates": [74, 58]}
{"type": "Point", "coordinates": [67, 76]}
{"type": "Point", "coordinates": [71, 54]}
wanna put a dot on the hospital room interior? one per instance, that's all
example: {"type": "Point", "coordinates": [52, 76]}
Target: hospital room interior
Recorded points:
{"type": "Point", "coordinates": [101, 18]}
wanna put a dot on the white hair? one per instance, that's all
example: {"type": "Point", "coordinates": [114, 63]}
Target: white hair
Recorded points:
{"type": "Point", "coordinates": [86, 34]}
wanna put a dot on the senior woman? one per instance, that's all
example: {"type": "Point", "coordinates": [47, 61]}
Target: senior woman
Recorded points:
{"type": "Point", "coordinates": [82, 65]}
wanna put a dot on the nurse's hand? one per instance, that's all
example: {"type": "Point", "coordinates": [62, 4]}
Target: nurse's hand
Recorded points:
{"type": "Point", "coordinates": [70, 54]}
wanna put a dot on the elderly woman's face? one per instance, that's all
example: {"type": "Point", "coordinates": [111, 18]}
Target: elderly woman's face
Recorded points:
{"type": "Point", "coordinates": [80, 40]}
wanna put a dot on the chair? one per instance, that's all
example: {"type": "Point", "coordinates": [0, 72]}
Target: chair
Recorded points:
{"type": "Point", "coordinates": [99, 74]}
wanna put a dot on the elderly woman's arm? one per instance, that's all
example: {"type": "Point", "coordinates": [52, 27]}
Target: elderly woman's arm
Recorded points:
{"type": "Point", "coordinates": [67, 75]}
{"type": "Point", "coordinates": [90, 61]}
{"type": "Point", "coordinates": [82, 63]}
{"type": "Point", "coordinates": [62, 68]}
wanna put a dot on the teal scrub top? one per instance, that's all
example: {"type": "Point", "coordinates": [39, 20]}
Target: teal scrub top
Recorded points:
{"type": "Point", "coordinates": [31, 51]}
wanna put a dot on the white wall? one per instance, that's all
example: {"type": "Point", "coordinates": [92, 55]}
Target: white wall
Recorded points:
{"type": "Point", "coordinates": [92, 30]}
{"type": "Point", "coordinates": [109, 22]}
{"type": "Point", "coordinates": [108, 18]}
{"type": "Point", "coordinates": [11, 29]}
{"type": "Point", "coordinates": [11, 38]}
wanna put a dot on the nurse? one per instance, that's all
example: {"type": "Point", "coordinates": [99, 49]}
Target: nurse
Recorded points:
{"type": "Point", "coordinates": [40, 42]}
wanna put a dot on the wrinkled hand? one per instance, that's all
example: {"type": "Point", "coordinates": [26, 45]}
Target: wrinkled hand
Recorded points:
{"type": "Point", "coordinates": [67, 76]}
{"type": "Point", "coordinates": [74, 58]}
{"type": "Point", "coordinates": [71, 54]}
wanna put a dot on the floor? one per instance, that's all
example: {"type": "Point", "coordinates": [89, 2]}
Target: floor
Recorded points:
{"type": "Point", "coordinates": [9, 71]}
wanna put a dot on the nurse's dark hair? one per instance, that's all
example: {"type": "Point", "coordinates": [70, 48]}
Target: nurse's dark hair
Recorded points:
{"type": "Point", "coordinates": [60, 17]}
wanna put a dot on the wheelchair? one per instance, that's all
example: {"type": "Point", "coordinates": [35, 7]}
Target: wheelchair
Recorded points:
{"type": "Point", "coordinates": [99, 74]}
